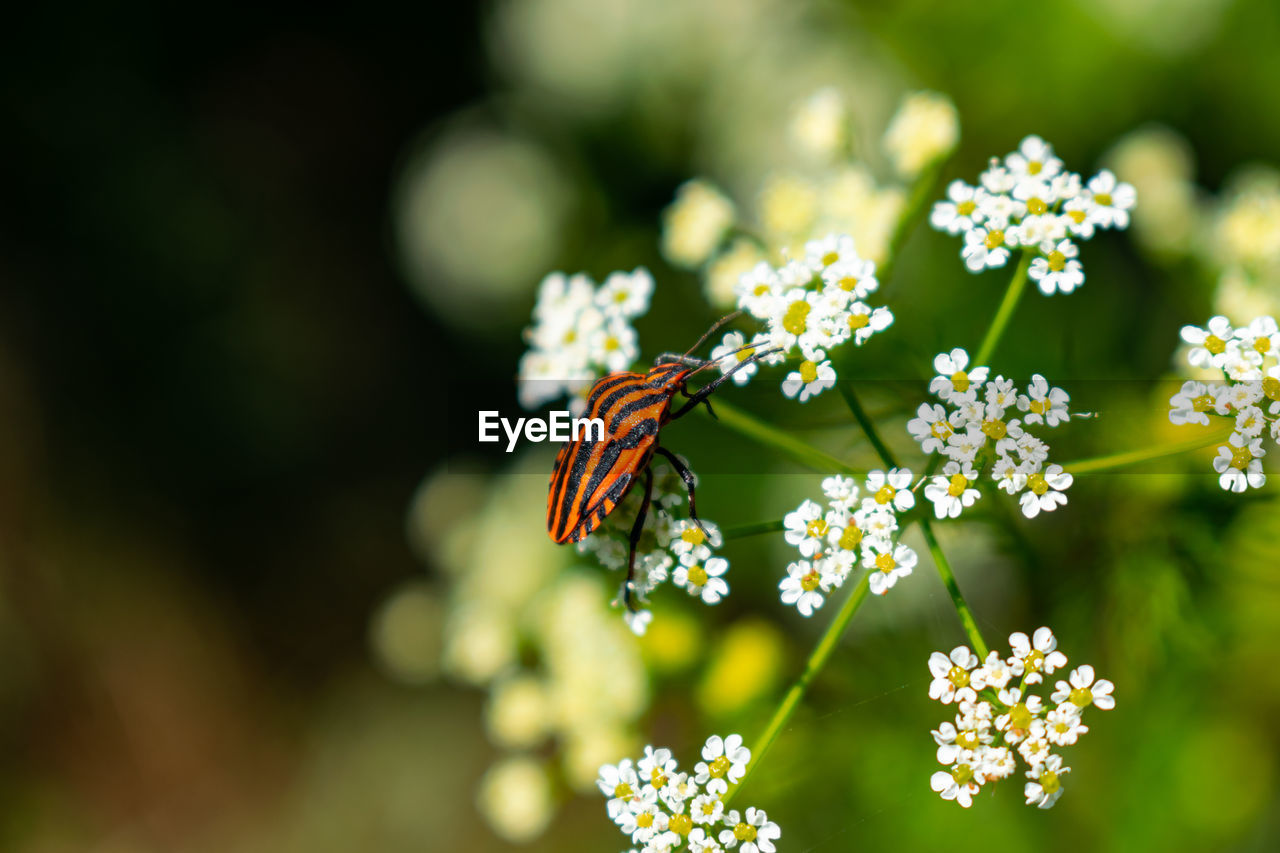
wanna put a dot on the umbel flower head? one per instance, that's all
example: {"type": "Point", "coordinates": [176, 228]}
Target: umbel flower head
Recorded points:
{"type": "Point", "coordinates": [983, 425]}
{"type": "Point", "coordinates": [1001, 725]}
{"type": "Point", "coordinates": [836, 537]}
{"type": "Point", "coordinates": [661, 808]}
{"type": "Point", "coordinates": [1242, 367]}
{"type": "Point", "coordinates": [1029, 202]}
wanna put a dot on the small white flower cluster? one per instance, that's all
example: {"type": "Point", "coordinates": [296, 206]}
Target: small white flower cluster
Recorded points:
{"type": "Point", "coordinates": [1028, 201]}
{"type": "Point", "coordinates": [975, 428]}
{"type": "Point", "coordinates": [812, 304]}
{"type": "Point", "coordinates": [669, 548]}
{"type": "Point", "coordinates": [581, 332]}
{"type": "Point", "coordinates": [662, 809]}
{"type": "Point", "coordinates": [846, 533]}
{"type": "Point", "coordinates": [998, 719]}
{"type": "Point", "coordinates": [1249, 395]}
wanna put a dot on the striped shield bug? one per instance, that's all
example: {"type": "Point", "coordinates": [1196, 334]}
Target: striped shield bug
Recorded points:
{"type": "Point", "coordinates": [592, 477]}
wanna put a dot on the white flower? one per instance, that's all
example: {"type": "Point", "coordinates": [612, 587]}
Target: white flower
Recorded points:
{"type": "Point", "coordinates": [930, 427]}
{"type": "Point", "coordinates": [1034, 159]}
{"type": "Point", "coordinates": [925, 128]}
{"type": "Point", "coordinates": [877, 523]}
{"type": "Point", "coordinates": [638, 621]}
{"type": "Point", "coordinates": [995, 672]}
{"type": "Point", "coordinates": [759, 290]}
{"type": "Point", "coordinates": [1046, 785]}
{"type": "Point", "coordinates": [986, 246]}
{"type": "Point", "coordinates": [887, 565]}
{"type": "Point", "coordinates": [694, 541]}
{"type": "Point", "coordinates": [756, 833]}
{"type": "Point", "coordinates": [703, 580]}
{"type": "Point", "coordinates": [842, 491]}
{"type": "Point", "coordinates": [1063, 725]}
{"type": "Point", "coordinates": [694, 224]}
{"type": "Point", "coordinates": [1044, 404]}
{"type": "Point", "coordinates": [819, 126]}
{"type": "Point", "coordinates": [1058, 270]}
{"type": "Point", "coordinates": [614, 345]}
{"type": "Point", "coordinates": [722, 758]}
{"type": "Point", "coordinates": [1082, 691]}
{"type": "Point", "coordinates": [625, 294]}
{"type": "Point", "coordinates": [806, 528]}
{"type": "Point", "coordinates": [1045, 491]}
{"type": "Point", "coordinates": [863, 321]}
{"type": "Point", "coordinates": [1191, 403]}
{"type": "Point", "coordinates": [706, 808]}
{"type": "Point", "coordinates": [1111, 199]}
{"type": "Point", "coordinates": [804, 585]}
{"type": "Point", "coordinates": [891, 489]}
{"type": "Point", "coordinates": [1035, 656]}
{"type": "Point", "coordinates": [620, 784]}
{"type": "Point", "coordinates": [1209, 345]}
{"type": "Point", "coordinates": [1239, 464]}
{"type": "Point", "coordinates": [851, 278]}
{"type": "Point", "coordinates": [951, 675]}
{"type": "Point", "coordinates": [957, 784]}
{"type": "Point", "coordinates": [952, 378]}
{"type": "Point", "coordinates": [643, 819]}
{"type": "Point", "coordinates": [731, 353]}
{"type": "Point", "coordinates": [656, 767]}
{"type": "Point", "coordinates": [960, 212]}
{"type": "Point", "coordinates": [952, 490]}
{"type": "Point", "coordinates": [830, 250]}
{"type": "Point", "coordinates": [810, 379]}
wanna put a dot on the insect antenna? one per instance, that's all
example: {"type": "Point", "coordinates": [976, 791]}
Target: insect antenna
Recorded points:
{"type": "Point", "coordinates": [719, 324]}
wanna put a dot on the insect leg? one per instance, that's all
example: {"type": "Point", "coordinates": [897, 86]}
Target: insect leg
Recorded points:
{"type": "Point", "coordinates": [679, 358]}
{"type": "Point", "coordinates": [705, 391]}
{"type": "Point", "coordinates": [687, 476]}
{"type": "Point", "coordinates": [629, 585]}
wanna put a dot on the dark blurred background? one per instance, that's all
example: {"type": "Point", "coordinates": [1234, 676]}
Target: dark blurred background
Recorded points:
{"type": "Point", "coordinates": [245, 292]}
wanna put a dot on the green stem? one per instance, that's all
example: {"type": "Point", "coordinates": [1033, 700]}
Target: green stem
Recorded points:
{"type": "Point", "coordinates": [922, 193]}
{"type": "Point", "coordinates": [1012, 294]}
{"type": "Point", "coordinates": [953, 589]}
{"type": "Point", "coordinates": [926, 528]}
{"type": "Point", "coordinates": [742, 531]}
{"type": "Point", "coordinates": [817, 659]}
{"type": "Point", "coordinates": [752, 427]}
{"type": "Point", "coordinates": [1133, 457]}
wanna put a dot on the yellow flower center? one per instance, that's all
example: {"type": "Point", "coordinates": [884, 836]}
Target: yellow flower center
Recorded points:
{"type": "Point", "coordinates": [960, 379]}
{"type": "Point", "coordinates": [994, 239]}
{"type": "Point", "coordinates": [1262, 344]}
{"type": "Point", "coordinates": [1240, 456]}
{"type": "Point", "coordinates": [1038, 484]}
{"type": "Point", "coordinates": [830, 258]}
{"type": "Point", "coordinates": [886, 563]}
{"type": "Point", "coordinates": [1057, 261]}
{"type": "Point", "coordinates": [959, 482]}
{"type": "Point", "coordinates": [1077, 216]}
{"type": "Point", "coordinates": [680, 824]}
{"type": "Point", "coordinates": [694, 536]}
{"type": "Point", "coordinates": [571, 336]}
{"type": "Point", "coordinates": [995, 429]}
{"type": "Point", "coordinates": [848, 283]}
{"type": "Point", "coordinates": [1215, 344]}
{"type": "Point", "coordinates": [885, 494]}
{"type": "Point", "coordinates": [857, 321]}
{"type": "Point", "coordinates": [1034, 167]}
{"type": "Point", "coordinates": [1033, 661]}
{"type": "Point", "coordinates": [744, 832]}
{"type": "Point", "coordinates": [746, 353]}
{"type": "Point", "coordinates": [622, 791]}
{"type": "Point", "coordinates": [657, 778]}
{"type": "Point", "coordinates": [851, 537]}
{"type": "Point", "coordinates": [968, 740]}
{"type": "Point", "coordinates": [963, 774]}
{"type": "Point", "coordinates": [644, 820]}
{"type": "Point", "coordinates": [817, 528]}
{"type": "Point", "coordinates": [958, 676]}
{"type": "Point", "coordinates": [709, 807]}
{"type": "Point", "coordinates": [966, 208]}
{"type": "Point", "coordinates": [1020, 716]}
{"type": "Point", "coordinates": [1049, 782]}
{"type": "Point", "coordinates": [1203, 403]}
{"type": "Point", "coordinates": [1271, 387]}
{"type": "Point", "coordinates": [719, 767]}
{"type": "Point", "coordinates": [1103, 199]}
{"type": "Point", "coordinates": [697, 576]}
{"type": "Point", "coordinates": [1039, 406]}
{"type": "Point", "coordinates": [811, 581]}
{"type": "Point", "coordinates": [808, 372]}
{"type": "Point", "coordinates": [795, 320]}
{"type": "Point", "coordinates": [611, 343]}
{"type": "Point", "coordinates": [761, 290]}
{"type": "Point", "coordinates": [942, 430]}
{"type": "Point", "coordinates": [1036, 206]}
{"type": "Point", "coordinates": [1081, 697]}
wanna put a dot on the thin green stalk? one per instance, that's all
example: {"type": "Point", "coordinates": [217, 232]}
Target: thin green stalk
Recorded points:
{"type": "Point", "coordinates": [752, 427]}
{"type": "Point", "coordinates": [755, 528]}
{"type": "Point", "coordinates": [1133, 457]}
{"type": "Point", "coordinates": [817, 659]}
{"type": "Point", "coordinates": [953, 589]}
{"type": "Point", "coordinates": [1004, 313]}
{"type": "Point", "coordinates": [922, 193]}
{"type": "Point", "coordinates": [926, 528]}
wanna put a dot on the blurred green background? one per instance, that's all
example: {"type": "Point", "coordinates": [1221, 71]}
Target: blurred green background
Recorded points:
{"type": "Point", "coordinates": [259, 268]}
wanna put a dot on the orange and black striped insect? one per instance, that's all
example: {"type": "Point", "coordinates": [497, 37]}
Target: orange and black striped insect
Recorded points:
{"type": "Point", "coordinates": [591, 477]}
